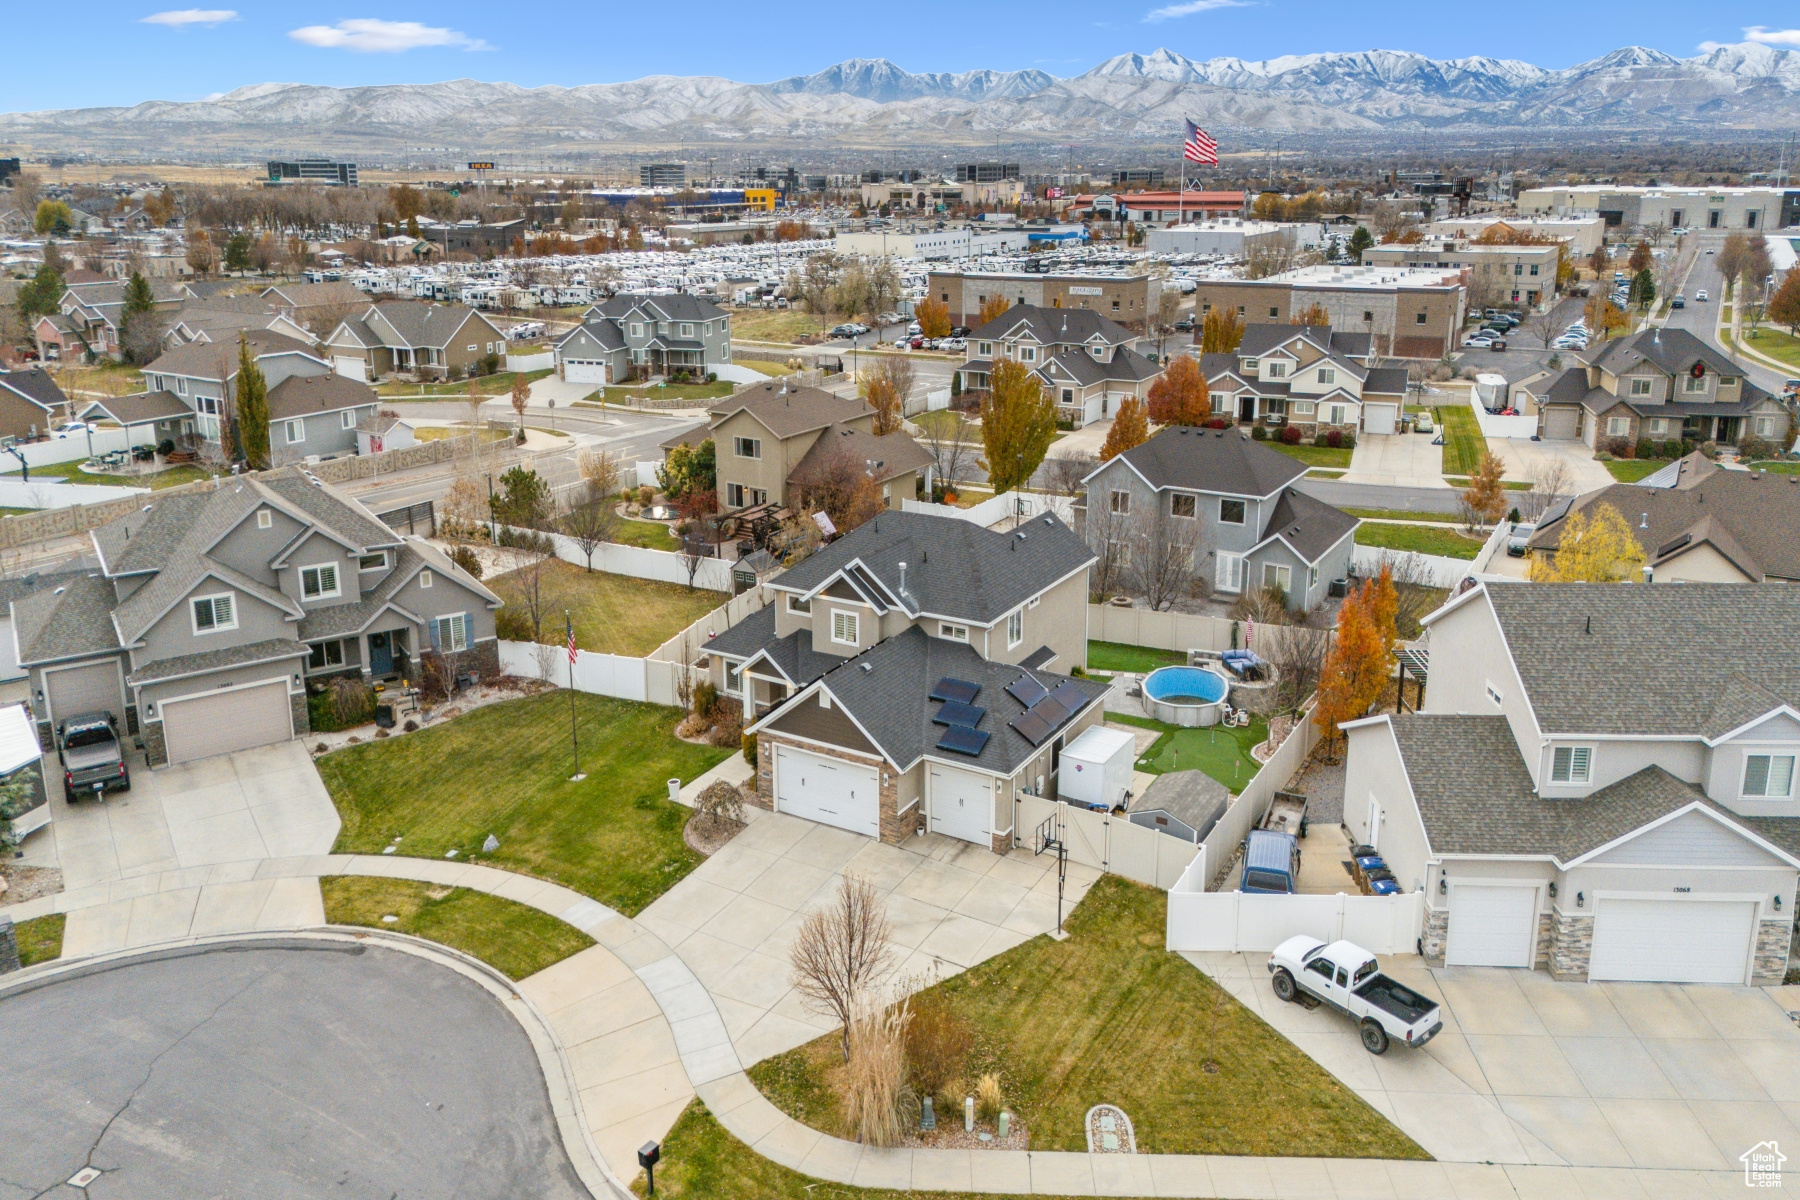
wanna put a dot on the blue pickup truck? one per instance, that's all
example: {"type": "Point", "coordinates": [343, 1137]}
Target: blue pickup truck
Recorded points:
{"type": "Point", "coordinates": [1271, 863]}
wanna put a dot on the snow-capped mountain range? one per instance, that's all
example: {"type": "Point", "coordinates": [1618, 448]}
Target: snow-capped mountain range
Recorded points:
{"type": "Point", "coordinates": [874, 103]}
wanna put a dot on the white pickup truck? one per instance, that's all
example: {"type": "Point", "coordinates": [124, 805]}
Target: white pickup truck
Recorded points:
{"type": "Point", "coordinates": [1347, 977]}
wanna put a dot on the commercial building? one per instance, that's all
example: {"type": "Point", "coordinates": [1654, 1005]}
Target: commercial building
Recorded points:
{"type": "Point", "coordinates": [1407, 312]}
{"type": "Point", "coordinates": [935, 244]}
{"type": "Point", "coordinates": [312, 170]}
{"type": "Point", "coordinates": [1142, 176]}
{"type": "Point", "coordinates": [1230, 236]}
{"type": "Point", "coordinates": [1497, 274]}
{"type": "Point", "coordinates": [922, 194]}
{"type": "Point", "coordinates": [1125, 298]}
{"type": "Point", "coordinates": [986, 172]}
{"type": "Point", "coordinates": [1583, 235]}
{"type": "Point", "coordinates": [662, 175]}
{"type": "Point", "coordinates": [1163, 208]}
{"type": "Point", "coordinates": [1670, 207]}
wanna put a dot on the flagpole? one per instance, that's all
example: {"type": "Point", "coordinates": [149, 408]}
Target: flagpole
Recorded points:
{"type": "Point", "coordinates": [574, 742]}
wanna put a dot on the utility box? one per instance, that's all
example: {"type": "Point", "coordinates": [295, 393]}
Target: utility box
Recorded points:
{"type": "Point", "coordinates": [1095, 770]}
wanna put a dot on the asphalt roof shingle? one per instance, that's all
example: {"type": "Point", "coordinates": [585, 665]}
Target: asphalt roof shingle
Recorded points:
{"type": "Point", "coordinates": [1213, 460]}
{"type": "Point", "coordinates": [787, 410]}
{"type": "Point", "coordinates": [69, 621]}
{"type": "Point", "coordinates": [303, 395]}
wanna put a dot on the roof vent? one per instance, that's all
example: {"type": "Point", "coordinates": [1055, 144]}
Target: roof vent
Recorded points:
{"type": "Point", "coordinates": [1643, 520]}
{"type": "Point", "coordinates": [866, 666]}
{"type": "Point", "coordinates": [59, 591]}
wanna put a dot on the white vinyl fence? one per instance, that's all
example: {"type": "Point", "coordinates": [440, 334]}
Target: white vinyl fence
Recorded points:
{"type": "Point", "coordinates": [543, 360]}
{"type": "Point", "coordinates": [74, 449]}
{"type": "Point", "coordinates": [1162, 630]}
{"type": "Point", "coordinates": [1104, 841]}
{"type": "Point", "coordinates": [1238, 922]}
{"type": "Point", "coordinates": [713, 574]}
{"type": "Point", "coordinates": [1432, 569]}
{"type": "Point", "coordinates": [1498, 426]}
{"type": "Point", "coordinates": [55, 493]}
{"type": "Point", "coordinates": [1025, 505]}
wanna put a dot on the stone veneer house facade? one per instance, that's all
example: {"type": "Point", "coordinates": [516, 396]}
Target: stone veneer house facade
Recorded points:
{"type": "Point", "coordinates": [1601, 782]}
{"type": "Point", "coordinates": [851, 678]}
{"type": "Point", "coordinates": [1311, 377]}
{"type": "Point", "coordinates": [211, 608]}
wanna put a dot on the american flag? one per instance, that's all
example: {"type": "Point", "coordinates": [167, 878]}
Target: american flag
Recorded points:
{"type": "Point", "coordinates": [1199, 145]}
{"type": "Point", "coordinates": [1249, 634]}
{"type": "Point", "coordinates": [571, 644]}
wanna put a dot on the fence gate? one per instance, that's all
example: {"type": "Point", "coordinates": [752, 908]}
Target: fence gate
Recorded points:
{"type": "Point", "coordinates": [414, 518]}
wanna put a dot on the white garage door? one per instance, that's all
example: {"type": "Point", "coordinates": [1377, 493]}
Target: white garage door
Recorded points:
{"type": "Point", "coordinates": [1562, 423]}
{"type": "Point", "coordinates": [1492, 925]}
{"type": "Point", "coordinates": [1380, 418]}
{"type": "Point", "coordinates": [350, 368]}
{"type": "Point", "coordinates": [962, 804]}
{"type": "Point", "coordinates": [828, 790]}
{"type": "Point", "coordinates": [236, 719]}
{"type": "Point", "coordinates": [580, 371]}
{"type": "Point", "coordinates": [76, 690]}
{"type": "Point", "coordinates": [1672, 941]}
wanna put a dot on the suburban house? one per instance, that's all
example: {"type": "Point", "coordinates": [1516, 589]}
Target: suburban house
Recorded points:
{"type": "Point", "coordinates": [211, 607]}
{"type": "Point", "coordinates": [1659, 384]}
{"type": "Point", "coordinates": [902, 677]}
{"type": "Point", "coordinates": [309, 303]}
{"type": "Point", "coordinates": [1228, 500]}
{"type": "Point", "coordinates": [221, 318]}
{"type": "Point", "coordinates": [30, 403]}
{"type": "Point", "coordinates": [413, 337]}
{"type": "Point", "coordinates": [1089, 362]}
{"type": "Point", "coordinates": [1600, 782]}
{"type": "Point", "coordinates": [1308, 376]}
{"type": "Point", "coordinates": [1705, 524]}
{"type": "Point", "coordinates": [767, 437]}
{"type": "Point", "coordinates": [312, 410]}
{"type": "Point", "coordinates": [90, 317]}
{"type": "Point", "coordinates": [629, 335]}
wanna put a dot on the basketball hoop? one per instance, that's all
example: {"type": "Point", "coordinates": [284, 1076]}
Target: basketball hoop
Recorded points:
{"type": "Point", "coordinates": [1045, 839]}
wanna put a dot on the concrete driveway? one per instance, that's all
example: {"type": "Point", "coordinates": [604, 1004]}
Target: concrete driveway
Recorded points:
{"type": "Point", "coordinates": [255, 804]}
{"type": "Point", "coordinates": [1528, 1070]}
{"type": "Point", "coordinates": [952, 904]}
{"type": "Point", "coordinates": [1527, 460]}
{"type": "Point", "coordinates": [1396, 460]}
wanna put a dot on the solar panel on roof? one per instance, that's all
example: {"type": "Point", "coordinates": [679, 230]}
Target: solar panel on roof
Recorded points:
{"type": "Point", "coordinates": [1052, 711]}
{"type": "Point", "coordinates": [1026, 690]}
{"type": "Point", "coordinates": [1069, 696]}
{"type": "Point", "coordinates": [955, 712]}
{"type": "Point", "coordinates": [959, 740]}
{"type": "Point", "coordinates": [1032, 727]}
{"type": "Point", "coordinates": [960, 690]}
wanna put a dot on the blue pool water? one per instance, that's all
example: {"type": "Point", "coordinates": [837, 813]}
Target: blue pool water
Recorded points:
{"type": "Point", "coordinates": [1184, 685]}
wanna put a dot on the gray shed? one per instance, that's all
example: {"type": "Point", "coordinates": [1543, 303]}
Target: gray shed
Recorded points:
{"type": "Point", "coordinates": [1183, 804]}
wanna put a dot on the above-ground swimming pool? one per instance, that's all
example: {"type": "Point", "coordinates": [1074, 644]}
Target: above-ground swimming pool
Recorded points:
{"type": "Point", "coordinates": [1184, 695]}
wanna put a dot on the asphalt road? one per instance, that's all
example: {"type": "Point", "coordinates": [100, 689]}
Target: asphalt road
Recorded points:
{"type": "Point", "coordinates": [1375, 495]}
{"type": "Point", "coordinates": [1700, 317]}
{"type": "Point", "coordinates": [313, 1071]}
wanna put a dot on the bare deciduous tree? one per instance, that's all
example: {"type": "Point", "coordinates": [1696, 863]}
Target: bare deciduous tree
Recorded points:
{"type": "Point", "coordinates": [953, 445]}
{"type": "Point", "coordinates": [843, 952]}
{"type": "Point", "coordinates": [531, 572]}
{"type": "Point", "coordinates": [1108, 534]}
{"type": "Point", "coordinates": [1165, 557]}
{"type": "Point", "coordinates": [590, 525]}
{"type": "Point", "coordinates": [1551, 479]}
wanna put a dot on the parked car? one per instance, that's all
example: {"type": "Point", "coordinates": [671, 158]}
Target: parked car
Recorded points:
{"type": "Point", "coordinates": [1478, 341]}
{"type": "Point", "coordinates": [1422, 423]}
{"type": "Point", "coordinates": [1700, 296]}
{"type": "Point", "coordinates": [69, 429]}
{"type": "Point", "coordinates": [1271, 863]}
{"type": "Point", "coordinates": [1348, 978]}
{"type": "Point", "coordinates": [1515, 540]}
{"type": "Point", "coordinates": [1679, 301]}
{"type": "Point", "coordinates": [959, 331]}
{"type": "Point", "coordinates": [915, 329]}
{"type": "Point", "coordinates": [87, 745]}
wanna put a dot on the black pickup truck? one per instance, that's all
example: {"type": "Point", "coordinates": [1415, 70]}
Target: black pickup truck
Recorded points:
{"type": "Point", "coordinates": [92, 756]}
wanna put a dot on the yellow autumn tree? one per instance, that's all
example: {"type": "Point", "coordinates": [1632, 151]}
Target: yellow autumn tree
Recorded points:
{"type": "Point", "coordinates": [1597, 547]}
{"type": "Point", "coordinates": [1313, 314]}
{"type": "Point", "coordinates": [992, 307]}
{"type": "Point", "coordinates": [933, 317]}
{"type": "Point", "coordinates": [1486, 494]}
{"type": "Point", "coordinates": [1356, 669]}
{"type": "Point", "coordinates": [1018, 422]}
{"type": "Point", "coordinates": [1220, 330]}
{"type": "Point", "coordinates": [1130, 427]}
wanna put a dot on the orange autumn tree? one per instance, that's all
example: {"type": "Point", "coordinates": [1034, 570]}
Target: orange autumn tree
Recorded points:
{"type": "Point", "coordinates": [994, 306]}
{"type": "Point", "coordinates": [1180, 396]}
{"type": "Point", "coordinates": [1357, 667]}
{"type": "Point", "coordinates": [933, 317]}
{"type": "Point", "coordinates": [1129, 428]}
{"type": "Point", "coordinates": [1384, 608]}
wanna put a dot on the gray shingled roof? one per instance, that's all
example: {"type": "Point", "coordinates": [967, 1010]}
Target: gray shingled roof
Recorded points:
{"type": "Point", "coordinates": [1053, 325]}
{"type": "Point", "coordinates": [206, 360]}
{"type": "Point", "coordinates": [185, 570]}
{"type": "Point", "coordinates": [891, 698]}
{"type": "Point", "coordinates": [1192, 797]}
{"type": "Point", "coordinates": [1671, 350]}
{"type": "Point", "coordinates": [792, 655]}
{"type": "Point", "coordinates": [271, 650]}
{"type": "Point", "coordinates": [954, 568]}
{"type": "Point", "coordinates": [1310, 526]}
{"type": "Point", "coordinates": [885, 458]}
{"type": "Point", "coordinates": [421, 323]}
{"type": "Point", "coordinates": [139, 408]}
{"type": "Point", "coordinates": [1474, 794]}
{"type": "Point", "coordinates": [788, 410]}
{"type": "Point", "coordinates": [1600, 658]}
{"type": "Point", "coordinates": [303, 395]}
{"type": "Point", "coordinates": [1261, 337]}
{"type": "Point", "coordinates": [1213, 460]}
{"type": "Point", "coordinates": [69, 621]}
{"type": "Point", "coordinates": [1385, 381]}
{"type": "Point", "coordinates": [675, 307]}
{"type": "Point", "coordinates": [336, 620]}
{"type": "Point", "coordinates": [36, 385]}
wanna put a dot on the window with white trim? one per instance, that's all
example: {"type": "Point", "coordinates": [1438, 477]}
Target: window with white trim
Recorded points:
{"type": "Point", "coordinates": [799, 604]}
{"type": "Point", "coordinates": [1303, 408]}
{"type": "Point", "coordinates": [325, 654]}
{"type": "Point", "coordinates": [1337, 414]}
{"type": "Point", "coordinates": [451, 633]}
{"type": "Point", "coordinates": [264, 518]}
{"type": "Point", "coordinates": [425, 579]}
{"type": "Point", "coordinates": [1015, 629]}
{"type": "Point", "coordinates": [1765, 427]}
{"type": "Point", "coordinates": [1231, 512]}
{"type": "Point", "coordinates": [1181, 504]}
{"type": "Point", "coordinates": [213, 613]}
{"type": "Point", "coordinates": [1659, 425]}
{"type": "Point", "coordinates": [320, 582]}
{"type": "Point", "coordinates": [1327, 376]}
{"type": "Point", "coordinates": [372, 562]}
{"type": "Point", "coordinates": [745, 447]}
{"type": "Point", "coordinates": [844, 627]}
{"type": "Point", "coordinates": [1618, 426]}
{"type": "Point", "coordinates": [954, 633]}
{"type": "Point", "coordinates": [1640, 387]}
{"type": "Point", "coordinates": [1770, 776]}
{"type": "Point", "coordinates": [1277, 370]}
{"type": "Point", "coordinates": [1571, 764]}
{"type": "Point", "coordinates": [347, 419]}
{"type": "Point", "coordinates": [1693, 383]}
{"type": "Point", "coordinates": [1276, 575]}
{"type": "Point", "coordinates": [1493, 693]}
{"type": "Point", "coordinates": [296, 431]}
{"type": "Point", "coordinates": [1121, 503]}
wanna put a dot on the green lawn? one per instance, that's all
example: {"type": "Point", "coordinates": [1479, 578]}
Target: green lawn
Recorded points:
{"type": "Point", "coordinates": [651, 535]}
{"type": "Point", "coordinates": [40, 939]}
{"type": "Point", "coordinates": [1401, 514]}
{"type": "Point", "coordinates": [1313, 456]}
{"type": "Point", "coordinates": [669, 391]}
{"type": "Point", "coordinates": [1109, 1015]}
{"type": "Point", "coordinates": [763, 366]}
{"type": "Point", "coordinates": [514, 939]}
{"type": "Point", "coordinates": [1221, 752]}
{"type": "Point", "coordinates": [169, 477]}
{"type": "Point", "coordinates": [1775, 343]}
{"type": "Point", "coordinates": [772, 324]}
{"type": "Point", "coordinates": [1117, 656]}
{"type": "Point", "coordinates": [1630, 470]}
{"type": "Point", "coordinates": [613, 614]}
{"type": "Point", "coordinates": [1321, 473]}
{"type": "Point", "coordinates": [497, 384]}
{"type": "Point", "coordinates": [942, 422]}
{"type": "Point", "coordinates": [1463, 443]}
{"type": "Point", "coordinates": [1512, 485]}
{"type": "Point", "coordinates": [1784, 467]}
{"type": "Point", "coordinates": [504, 770]}
{"type": "Point", "coordinates": [1417, 539]}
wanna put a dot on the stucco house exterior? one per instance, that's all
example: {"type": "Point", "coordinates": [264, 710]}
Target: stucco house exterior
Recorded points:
{"type": "Point", "coordinates": [1089, 362]}
{"type": "Point", "coordinates": [767, 437]}
{"type": "Point", "coordinates": [1311, 377]}
{"type": "Point", "coordinates": [1229, 498]}
{"type": "Point", "coordinates": [631, 334]}
{"type": "Point", "coordinates": [911, 676]}
{"type": "Point", "coordinates": [210, 608]}
{"type": "Point", "coordinates": [413, 337]}
{"type": "Point", "coordinates": [1600, 783]}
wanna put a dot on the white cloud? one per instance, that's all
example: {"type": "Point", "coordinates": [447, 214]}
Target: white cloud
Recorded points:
{"type": "Point", "coordinates": [1190, 7]}
{"type": "Point", "coordinates": [367, 35]}
{"type": "Point", "coordinates": [182, 17]}
{"type": "Point", "coordinates": [1773, 37]}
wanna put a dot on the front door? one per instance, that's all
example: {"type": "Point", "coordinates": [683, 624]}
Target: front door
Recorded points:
{"type": "Point", "coordinates": [1247, 408]}
{"type": "Point", "coordinates": [381, 655]}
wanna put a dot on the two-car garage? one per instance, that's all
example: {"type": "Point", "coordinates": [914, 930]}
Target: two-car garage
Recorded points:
{"type": "Point", "coordinates": [827, 789]}
{"type": "Point", "coordinates": [220, 722]}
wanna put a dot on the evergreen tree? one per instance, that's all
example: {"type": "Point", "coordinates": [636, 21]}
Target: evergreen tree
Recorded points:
{"type": "Point", "coordinates": [237, 252]}
{"type": "Point", "coordinates": [39, 296]}
{"type": "Point", "coordinates": [252, 409]}
{"type": "Point", "coordinates": [138, 296]}
{"type": "Point", "coordinates": [1359, 241]}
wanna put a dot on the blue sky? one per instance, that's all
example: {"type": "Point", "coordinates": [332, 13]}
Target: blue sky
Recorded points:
{"type": "Point", "coordinates": [123, 53]}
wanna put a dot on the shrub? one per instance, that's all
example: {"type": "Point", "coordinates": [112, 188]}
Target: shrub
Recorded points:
{"type": "Point", "coordinates": [988, 1100]}
{"type": "Point", "coordinates": [1065, 424]}
{"type": "Point", "coordinates": [1619, 447]}
{"type": "Point", "coordinates": [720, 802]}
{"type": "Point", "coordinates": [512, 624]}
{"type": "Point", "coordinates": [1259, 433]}
{"type": "Point", "coordinates": [1334, 438]}
{"type": "Point", "coordinates": [1219, 423]}
{"type": "Point", "coordinates": [692, 726]}
{"type": "Point", "coordinates": [1603, 456]}
{"type": "Point", "coordinates": [750, 749]}
{"type": "Point", "coordinates": [467, 559]}
{"type": "Point", "coordinates": [1319, 437]}
{"type": "Point", "coordinates": [646, 494]}
{"type": "Point", "coordinates": [527, 539]}
{"type": "Point", "coordinates": [411, 726]}
{"type": "Point", "coordinates": [728, 724]}
{"type": "Point", "coordinates": [352, 700]}
{"type": "Point", "coordinates": [705, 696]}
{"type": "Point", "coordinates": [875, 1076]}
{"type": "Point", "coordinates": [1647, 449]}
{"type": "Point", "coordinates": [1291, 435]}
{"type": "Point", "coordinates": [1513, 515]}
{"type": "Point", "coordinates": [1349, 439]}
{"type": "Point", "coordinates": [1754, 449]}
{"type": "Point", "coordinates": [937, 1044]}
{"type": "Point", "coordinates": [435, 679]}
{"type": "Point", "coordinates": [1709, 448]}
